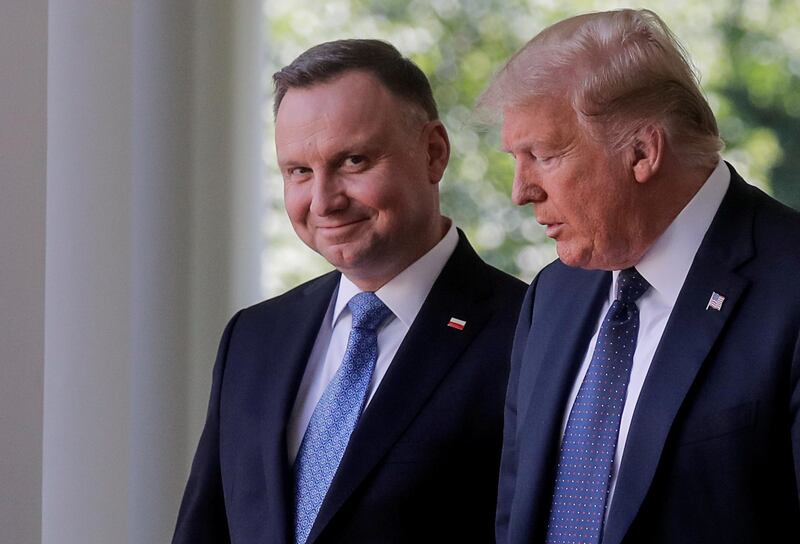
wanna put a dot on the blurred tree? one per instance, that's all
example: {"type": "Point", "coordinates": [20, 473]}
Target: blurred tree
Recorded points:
{"type": "Point", "coordinates": [762, 87]}
{"type": "Point", "coordinates": [750, 52]}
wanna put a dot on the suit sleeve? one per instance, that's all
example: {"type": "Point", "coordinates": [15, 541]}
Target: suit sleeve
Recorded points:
{"type": "Point", "coordinates": [202, 517]}
{"type": "Point", "coordinates": [508, 461]}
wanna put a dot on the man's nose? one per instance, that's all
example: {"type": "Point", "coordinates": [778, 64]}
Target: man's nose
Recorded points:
{"type": "Point", "coordinates": [328, 195]}
{"type": "Point", "coordinates": [527, 188]}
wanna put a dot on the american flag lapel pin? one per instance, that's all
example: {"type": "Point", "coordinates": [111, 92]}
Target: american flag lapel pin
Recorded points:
{"type": "Point", "coordinates": [715, 302]}
{"type": "Point", "coordinates": [456, 323]}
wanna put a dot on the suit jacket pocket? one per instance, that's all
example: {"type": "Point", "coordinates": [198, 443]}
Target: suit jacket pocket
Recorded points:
{"type": "Point", "coordinates": [719, 423]}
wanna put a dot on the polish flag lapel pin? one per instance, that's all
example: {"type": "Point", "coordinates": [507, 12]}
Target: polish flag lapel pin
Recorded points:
{"type": "Point", "coordinates": [456, 323]}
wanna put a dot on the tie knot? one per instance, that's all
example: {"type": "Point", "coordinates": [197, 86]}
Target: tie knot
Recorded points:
{"type": "Point", "coordinates": [368, 311]}
{"type": "Point", "coordinates": [630, 286]}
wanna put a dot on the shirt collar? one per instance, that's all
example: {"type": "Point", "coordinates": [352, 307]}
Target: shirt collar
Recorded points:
{"type": "Point", "coordinates": [405, 293]}
{"type": "Point", "coordinates": [666, 264]}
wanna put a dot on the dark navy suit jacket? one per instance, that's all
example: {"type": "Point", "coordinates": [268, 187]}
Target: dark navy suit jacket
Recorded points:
{"type": "Point", "coordinates": [713, 451]}
{"type": "Point", "coordinates": [423, 462]}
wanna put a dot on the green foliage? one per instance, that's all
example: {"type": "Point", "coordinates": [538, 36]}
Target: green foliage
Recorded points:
{"type": "Point", "coordinates": [762, 54]}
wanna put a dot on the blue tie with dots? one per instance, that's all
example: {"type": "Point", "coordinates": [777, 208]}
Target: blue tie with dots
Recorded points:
{"type": "Point", "coordinates": [584, 468]}
{"type": "Point", "coordinates": [337, 413]}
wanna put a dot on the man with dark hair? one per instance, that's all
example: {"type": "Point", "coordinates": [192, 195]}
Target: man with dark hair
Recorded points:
{"type": "Point", "coordinates": [655, 384]}
{"type": "Point", "coordinates": [365, 405]}
{"type": "Point", "coordinates": [327, 60]}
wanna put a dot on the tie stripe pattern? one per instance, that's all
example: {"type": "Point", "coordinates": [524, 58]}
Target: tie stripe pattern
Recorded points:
{"type": "Point", "coordinates": [337, 413]}
{"type": "Point", "coordinates": [587, 452]}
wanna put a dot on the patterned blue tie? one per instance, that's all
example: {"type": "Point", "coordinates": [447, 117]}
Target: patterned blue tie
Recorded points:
{"type": "Point", "coordinates": [337, 413]}
{"type": "Point", "coordinates": [590, 439]}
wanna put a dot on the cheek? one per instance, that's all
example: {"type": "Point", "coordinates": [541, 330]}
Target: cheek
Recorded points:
{"type": "Point", "coordinates": [602, 220]}
{"type": "Point", "coordinates": [411, 207]}
{"type": "Point", "coordinates": [593, 220]}
{"type": "Point", "coordinates": [375, 193]}
{"type": "Point", "coordinates": [296, 204]}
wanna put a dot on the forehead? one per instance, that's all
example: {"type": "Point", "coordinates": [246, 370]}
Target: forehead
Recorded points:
{"type": "Point", "coordinates": [545, 120]}
{"type": "Point", "coordinates": [348, 114]}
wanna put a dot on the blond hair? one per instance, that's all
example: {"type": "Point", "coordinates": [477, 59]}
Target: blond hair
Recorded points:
{"type": "Point", "coordinates": [621, 71]}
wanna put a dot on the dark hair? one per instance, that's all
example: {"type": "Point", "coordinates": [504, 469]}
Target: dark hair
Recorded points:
{"type": "Point", "coordinates": [327, 60]}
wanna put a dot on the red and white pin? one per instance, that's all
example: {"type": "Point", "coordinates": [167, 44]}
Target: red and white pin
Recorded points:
{"type": "Point", "coordinates": [456, 323]}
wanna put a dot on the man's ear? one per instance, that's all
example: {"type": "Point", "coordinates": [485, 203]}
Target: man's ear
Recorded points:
{"type": "Point", "coordinates": [648, 152]}
{"type": "Point", "coordinates": [438, 147]}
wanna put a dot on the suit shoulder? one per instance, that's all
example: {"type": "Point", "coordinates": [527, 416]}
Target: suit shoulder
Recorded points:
{"type": "Point", "coordinates": [558, 273]}
{"type": "Point", "coordinates": [495, 289]}
{"type": "Point", "coordinates": [280, 303]}
{"type": "Point", "coordinates": [466, 270]}
{"type": "Point", "coordinates": [776, 221]}
{"type": "Point", "coordinates": [505, 282]}
{"type": "Point", "coordinates": [558, 282]}
{"type": "Point", "coordinates": [775, 239]}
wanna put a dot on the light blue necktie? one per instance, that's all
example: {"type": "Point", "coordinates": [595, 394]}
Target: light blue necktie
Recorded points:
{"type": "Point", "coordinates": [584, 468]}
{"type": "Point", "coordinates": [337, 413]}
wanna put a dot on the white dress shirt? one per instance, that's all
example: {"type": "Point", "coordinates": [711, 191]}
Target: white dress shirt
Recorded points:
{"type": "Point", "coordinates": [403, 295]}
{"type": "Point", "coordinates": [665, 267]}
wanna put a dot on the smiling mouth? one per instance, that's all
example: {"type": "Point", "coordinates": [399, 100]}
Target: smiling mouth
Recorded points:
{"type": "Point", "coordinates": [340, 225]}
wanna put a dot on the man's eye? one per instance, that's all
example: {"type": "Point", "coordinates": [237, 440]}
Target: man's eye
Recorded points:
{"type": "Point", "coordinates": [547, 160]}
{"type": "Point", "coordinates": [299, 171]}
{"type": "Point", "coordinates": [354, 160]}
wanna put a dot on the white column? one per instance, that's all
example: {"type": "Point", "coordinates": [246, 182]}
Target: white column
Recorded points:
{"type": "Point", "coordinates": [226, 160]}
{"type": "Point", "coordinates": [247, 98]}
{"type": "Point", "coordinates": [23, 145]}
{"type": "Point", "coordinates": [88, 351]}
{"type": "Point", "coordinates": [152, 223]}
{"type": "Point", "coordinates": [161, 188]}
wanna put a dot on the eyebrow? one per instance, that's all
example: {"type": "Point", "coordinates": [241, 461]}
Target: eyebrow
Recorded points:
{"type": "Point", "coordinates": [522, 144]}
{"type": "Point", "coordinates": [502, 147]}
{"type": "Point", "coordinates": [538, 145]}
{"type": "Point", "coordinates": [363, 146]}
{"type": "Point", "coordinates": [289, 164]}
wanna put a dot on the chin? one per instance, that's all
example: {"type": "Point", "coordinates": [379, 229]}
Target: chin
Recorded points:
{"type": "Point", "coordinates": [570, 257]}
{"type": "Point", "coordinates": [335, 256]}
{"type": "Point", "coordinates": [345, 258]}
{"type": "Point", "coordinates": [589, 258]}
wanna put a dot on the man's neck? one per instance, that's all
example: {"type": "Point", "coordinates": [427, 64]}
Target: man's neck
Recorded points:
{"type": "Point", "coordinates": [376, 281]}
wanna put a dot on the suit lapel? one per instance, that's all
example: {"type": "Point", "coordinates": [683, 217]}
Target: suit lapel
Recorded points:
{"type": "Point", "coordinates": [423, 359]}
{"type": "Point", "coordinates": [288, 346]}
{"type": "Point", "coordinates": [690, 334]}
{"type": "Point", "coordinates": [552, 369]}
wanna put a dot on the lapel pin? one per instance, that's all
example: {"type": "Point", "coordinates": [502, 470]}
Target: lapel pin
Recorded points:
{"type": "Point", "coordinates": [456, 323]}
{"type": "Point", "coordinates": [715, 302]}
